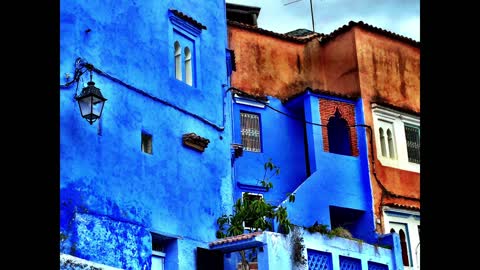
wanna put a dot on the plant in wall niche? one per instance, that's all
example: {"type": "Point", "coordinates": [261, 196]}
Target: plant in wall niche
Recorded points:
{"type": "Point", "coordinates": [341, 232]}
{"type": "Point", "coordinates": [257, 213]}
{"type": "Point", "coordinates": [336, 232]}
{"type": "Point", "coordinates": [298, 247]}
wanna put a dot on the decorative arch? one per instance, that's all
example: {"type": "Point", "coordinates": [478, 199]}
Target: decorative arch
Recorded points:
{"type": "Point", "coordinates": [403, 243]}
{"type": "Point", "coordinates": [382, 142]}
{"type": "Point", "coordinates": [178, 60]}
{"type": "Point", "coordinates": [339, 135]}
{"type": "Point", "coordinates": [188, 66]}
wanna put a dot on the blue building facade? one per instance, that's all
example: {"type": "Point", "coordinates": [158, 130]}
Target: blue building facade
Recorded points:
{"type": "Point", "coordinates": [141, 187]}
{"type": "Point", "coordinates": [330, 188]}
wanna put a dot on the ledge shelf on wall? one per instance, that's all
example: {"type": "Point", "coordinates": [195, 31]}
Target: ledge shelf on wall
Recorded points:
{"type": "Point", "coordinates": [195, 142]}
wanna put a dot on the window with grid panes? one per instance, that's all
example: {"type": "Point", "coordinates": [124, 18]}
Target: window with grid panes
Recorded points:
{"type": "Point", "coordinates": [412, 135]}
{"type": "Point", "coordinates": [250, 131]}
{"type": "Point", "coordinates": [397, 138]}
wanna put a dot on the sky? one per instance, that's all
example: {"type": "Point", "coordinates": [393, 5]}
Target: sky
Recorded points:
{"type": "Point", "coordinates": [398, 16]}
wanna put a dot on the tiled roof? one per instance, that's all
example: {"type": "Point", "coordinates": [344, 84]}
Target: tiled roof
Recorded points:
{"type": "Point", "coordinates": [370, 28]}
{"type": "Point", "coordinates": [322, 92]}
{"type": "Point", "coordinates": [408, 207]}
{"type": "Point", "coordinates": [233, 239]}
{"type": "Point", "coordinates": [303, 39]}
{"type": "Point", "coordinates": [188, 19]}
{"type": "Point", "coordinates": [305, 35]}
{"type": "Point", "coordinates": [300, 32]}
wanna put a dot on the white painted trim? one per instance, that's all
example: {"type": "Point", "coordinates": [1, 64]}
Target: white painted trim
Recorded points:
{"type": "Point", "coordinates": [158, 253]}
{"type": "Point", "coordinates": [249, 101]}
{"type": "Point", "coordinates": [402, 211]}
{"type": "Point", "coordinates": [394, 113]}
{"type": "Point", "coordinates": [398, 120]}
{"type": "Point", "coordinates": [412, 222]}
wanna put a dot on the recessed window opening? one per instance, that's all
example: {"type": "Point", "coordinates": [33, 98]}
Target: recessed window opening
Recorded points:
{"type": "Point", "coordinates": [146, 143]}
{"type": "Point", "coordinates": [339, 135]}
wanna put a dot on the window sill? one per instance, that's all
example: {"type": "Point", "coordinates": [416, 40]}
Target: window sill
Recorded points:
{"type": "Point", "coordinates": [182, 85]}
{"type": "Point", "coordinates": [250, 187]}
{"type": "Point", "coordinates": [341, 155]}
{"type": "Point", "coordinates": [406, 166]}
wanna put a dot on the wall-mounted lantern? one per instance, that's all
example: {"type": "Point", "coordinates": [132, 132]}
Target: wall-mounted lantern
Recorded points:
{"type": "Point", "coordinates": [91, 101]}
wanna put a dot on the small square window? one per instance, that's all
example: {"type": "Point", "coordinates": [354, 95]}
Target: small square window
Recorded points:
{"type": "Point", "coordinates": [146, 143]}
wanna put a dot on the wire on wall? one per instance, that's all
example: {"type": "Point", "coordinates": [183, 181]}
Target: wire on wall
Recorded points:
{"type": "Point", "coordinates": [81, 66]}
{"type": "Point", "coordinates": [385, 191]}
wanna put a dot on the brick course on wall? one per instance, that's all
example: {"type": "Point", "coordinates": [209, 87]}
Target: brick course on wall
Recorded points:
{"type": "Point", "coordinates": [347, 111]}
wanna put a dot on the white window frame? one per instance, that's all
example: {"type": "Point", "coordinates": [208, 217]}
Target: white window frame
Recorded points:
{"type": "Point", "coordinates": [160, 255]}
{"type": "Point", "coordinates": [412, 220]}
{"type": "Point", "coordinates": [398, 120]}
{"type": "Point", "coordinates": [178, 60]}
{"type": "Point", "coordinates": [255, 194]}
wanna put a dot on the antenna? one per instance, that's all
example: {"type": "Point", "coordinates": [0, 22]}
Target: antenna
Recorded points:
{"type": "Point", "coordinates": [288, 2]}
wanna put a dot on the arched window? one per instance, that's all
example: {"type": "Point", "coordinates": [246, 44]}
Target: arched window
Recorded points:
{"type": "Point", "coordinates": [339, 135]}
{"type": "Point", "coordinates": [391, 151]}
{"type": "Point", "coordinates": [178, 61]}
{"type": "Point", "coordinates": [403, 243]}
{"type": "Point", "coordinates": [188, 66]}
{"type": "Point", "coordinates": [382, 143]}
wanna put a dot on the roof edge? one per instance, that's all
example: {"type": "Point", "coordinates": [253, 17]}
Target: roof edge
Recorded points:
{"type": "Point", "coordinates": [273, 34]}
{"type": "Point", "coordinates": [321, 92]}
{"type": "Point", "coordinates": [370, 28]}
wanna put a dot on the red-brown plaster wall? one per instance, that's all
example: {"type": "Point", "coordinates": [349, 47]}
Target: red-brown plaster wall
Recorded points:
{"type": "Point", "coordinates": [389, 73]}
{"type": "Point", "coordinates": [271, 66]}
{"type": "Point", "coordinates": [389, 70]}
{"type": "Point", "coordinates": [340, 65]}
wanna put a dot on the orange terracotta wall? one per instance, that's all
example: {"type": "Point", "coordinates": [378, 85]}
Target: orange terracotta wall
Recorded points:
{"type": "Point", "coordinates": [340, 65]}
{"type": "Point", "coordinates": [271, 66]}
{"type": "Point", "coordinates": [389, 72]}
{"type": "Point", "coordinates": [357, 62]}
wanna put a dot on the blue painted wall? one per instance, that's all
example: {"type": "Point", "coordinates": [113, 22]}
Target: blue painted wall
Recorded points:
{"type": "Point", "coordinates": [277, 251]}
{"type": "Point", "coordinates": [335, 180]}
{"type": "Point", "coordinates": [282, 141]}
{"type": "Point", "coordinates": [106, 182]}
